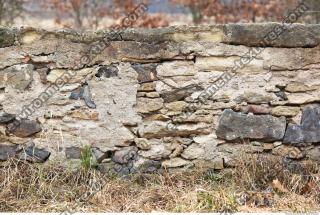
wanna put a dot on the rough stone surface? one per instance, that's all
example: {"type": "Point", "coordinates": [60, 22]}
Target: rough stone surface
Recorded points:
{"type": "Point", "coordinates": [309, 129]}
{"type": "Point", "coordinates": [233, 125]}
{"type": "Point", "coordinates": [285, 111]}
{"type": "Point", "coordinates": [7, 151]}
{"type": "Point", "coordinates": [23, 128]}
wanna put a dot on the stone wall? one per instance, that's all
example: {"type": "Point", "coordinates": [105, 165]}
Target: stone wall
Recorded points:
{"type": "Point", "coordinates": [136, 101]}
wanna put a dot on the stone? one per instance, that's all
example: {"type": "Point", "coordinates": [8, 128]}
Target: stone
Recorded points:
{"type": "Point", "coordinates": [70, 76]}
{"type": "Point", "coordinates": [180, 94]}
{"type": "Point", "coordinates": [193, 151]}
{"type": "Point", "coordinates": [175, 162]}
{"type": "Point", "coordinates": [285, 111]}
{"type": "Point", "coordinates": [23, 128]}
{"type": "Point", "coordinates": [143, 165]}
{"type": "Point", "coordinates": [299, 87]}
{"type": "Point", "coordinates": [176, 68]}
{"type": "Point", "coordinates": [254, 98]}
{"type": "Point", "coordinates": [6, 117]}
{"type": "Point", "coordinates": [153, 95]}
{"type": "Point", "coordinates": [7, 37]}
{"type": "Point", "coordinates": [177, 151]}
{"type": "Point", "coordinates": [288, 151]}
{"type": "Point", "coordinates": [142, 143]}
{"type": "Point", "coordinates": [125, 155]}
{"type": "Point", "coordinates": [233, 126]}
{"type": "Point", "coordinates": [216, 164]}
{"type": "Point", "coordinates": [176, 106]}
{"type": "Point", "coordinates": [301, 98]}
{"type": "Point", "coordinates": [147, 87]}
{"type": "Point", "coordinates": [107, 71]}
{"type": "Point", "coordinates": [146, 72]}
{"type": "Point", "coordinates": [292, 36]}
{"type": "Point", "coordinates": [7, 151]}
{"type": "Point", "coordinates": [147, 105]}
{"type": "Point", "coordinates": [256, 109]}
{"type": "Point", "coordinates": [309, 129]}
{"type": "Point", "coordinates": [86, 96]}
{"type": "Point", "coordinates": [314, 154]}
{"type": "Point", "coordinates": [158, 129]}
{"type": "Point", "coordinates": [85, 115]}
{"type": "Point", "coordinates": [73, 152]}
{"type": "Point", "coordinates": [100, 155]}
{"type": "Point", "coordinates": [34, 154]}
{"type": "Point", "coordinates": [19, 76]}
{"type": "Point", "coordinates": [156, 152]}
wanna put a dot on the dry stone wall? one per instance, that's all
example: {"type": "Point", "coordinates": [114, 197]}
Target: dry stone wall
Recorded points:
{"type": "Point", "coordinates": [136, 101]}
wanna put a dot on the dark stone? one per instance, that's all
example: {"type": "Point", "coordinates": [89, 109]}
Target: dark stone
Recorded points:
{"type": "Point", "coordinates": [309, 129]}
{"type": "Point", "coordinates": [293, 36]}
{"type": "Point", "coordinates": [282, 95]}
{"type": "Point", "coordinates": [84, 94]}
{"type": "Point", "coordinates": [148, 166]}
{"type": "Point", "coordinates": [146, 72]}
{"type": "Point", "coordinates": [125, 155]}
{"type": "Point", "coordinates": [237, 126]}
{"type": "Point", "coordinates": [7, 151]}
{"type": "Point", "coordinates": [6, 37]}
{"type": "Point", "coordinates": [6, 117]}
{"type": "Point", "coordinates": [23, 128]}
{"type": "Point", "coordinates": [73, 152]}
{"type": "Point", "coordinates": [100, 155]}
{"type": "Point", "coordinates": [107, 71]}
{"type": "Point", "coordinates": [180, 94]}
{"type": "Point", "coordinates": [34, 155]}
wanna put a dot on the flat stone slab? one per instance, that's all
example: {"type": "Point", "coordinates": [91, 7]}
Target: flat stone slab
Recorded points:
{"type": "Point", "coordinates": [309, 129]}
{"type": "Point", "coordinates": [237, 126]}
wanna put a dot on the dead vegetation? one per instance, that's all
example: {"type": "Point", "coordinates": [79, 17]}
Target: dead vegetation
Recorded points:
{"type": "Point", "coordinates": [256, 184]}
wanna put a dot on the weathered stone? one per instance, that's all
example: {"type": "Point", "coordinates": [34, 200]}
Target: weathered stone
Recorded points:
{"type": "Point", "coordinates": [6, 117]}
{"type": "Point", "coordinates": [256, 109]}
{"type": "Point", "coordinates": [156, 129]}
{"type": "Point", "coordinates": [7, 37]}
{"type": "Point", "coordinates": [176, 68]}
{"type": "Point", "coordinates": [179, 94]}
{"type": "Point", "coordinates": [217, 164]}
{"type": "Point", "coordinates": [70, 76]}
{"type": "Point", "coordinates": [73, 152]}
{"type": "Point", "coordinates": [226, 63]}
{"type": "Point", "coordinates": [142, 143]}
{"type": "Point", "coordinates": [85, 115]}
{"type": "Point", "coordinates": [147, 87]}
{"type": "Point", "coordinates": [146, 72]}
{"type": "Point", "coordinates": [156, 152]}
{"type": "Point", "coordinates": [314, 154]}
{"type": "Point", "coordinates": [125, 155]}
{"type": "Point", "coordinates": [146, 105]}
{"type": "Point", "coordinates": [176, 106]}
{"type": "Point", "coordinates": [153, 95]}
{"type": "Point", "coordinates": [295, 35]}
{"type": "Point", "coordinates": [143, 165]}
{"type": "Point", "coordinates": [193, 151]}
{"type": "Point", "coordinates": [175, 162]}
{"type": "Point", "coordinates": [309, 129]}
{"type": "Point", "coordinates": [299, 87]}
{"type": "Point", "coordinates": [288, 151]}
{"type": "Point", "coordinates": [23, 128]}
{"type": "Point", "coordinates": [302, 98]}
{"type": "Point", "coordinates": [19, 76]}
{"type": "Point", "coordinates": [107, 71]}
{"type": "Point", "coordinates": [198, 116]}
{"type": "Point", "coordinates": [7, 151]}
{"type": "Point", "coordinates": [34, 154]}
{"type": "Point", "coordinates": [285, 111]}
{"type": "Point", "coordinates": [233, 125]}
{"type": "Point", "coordinates": [254, 98]}
{"type": "Point", "coordinates": [177, 151]}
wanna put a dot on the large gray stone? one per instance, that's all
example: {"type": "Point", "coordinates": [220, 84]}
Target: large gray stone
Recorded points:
{"type": "Point", "coordinates": [309, 129]}
{"type": "Point", "coordinates": [23, 128]}
{"type": "Point", "coordinates": [6, 117]}
{"type": "Point", "coordinates": [7, 151]}
{"type": "Point", "coordinates": [233, 126]}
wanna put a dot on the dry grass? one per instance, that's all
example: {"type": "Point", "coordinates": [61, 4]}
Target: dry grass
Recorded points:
{"type": "Point", "coordinates": [54, 188]}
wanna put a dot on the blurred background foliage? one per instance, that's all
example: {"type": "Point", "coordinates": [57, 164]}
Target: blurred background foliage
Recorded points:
{"type": "Point", "coordinates": [99, 14]}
